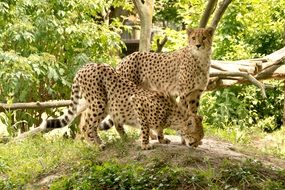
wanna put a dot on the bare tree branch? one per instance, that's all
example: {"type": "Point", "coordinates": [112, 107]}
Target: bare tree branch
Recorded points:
{"type": "Point", "coordinates": [161, 44]}
{"type": "Point", "coordinates": [207, 13]}
{"type": "Point", "coordinates": [219, 13]}
{"type": "Point", "coordinates": [29, 133]}
{"type": "Point", "coordinates": [247, 76]}
{"type": "Point", "coordinates": [222, 73]}
{"type": "Point", "coordinates": [34, 105]}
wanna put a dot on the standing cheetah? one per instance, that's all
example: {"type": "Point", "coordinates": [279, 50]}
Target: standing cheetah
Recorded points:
{"type": "Point", "coordinates": [183, 73]}
{"type": "Point", "coordinates": [106, 92]}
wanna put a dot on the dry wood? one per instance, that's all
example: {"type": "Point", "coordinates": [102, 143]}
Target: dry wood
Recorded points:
{"type": "Point", "coordinates": [246, 76]}
{"type": "Point", "coordinates": [219, 13]}
{"type": "Point", "coordinates": [161, 44]}
{"type": "Point", "coordinates": [207, 13]}
{"type": "Point", "coordinates": [223, 74]}
{"type": "Point", "coordinates": [145, 11]}
{"type": "Point", "coordinates": [34, 105]}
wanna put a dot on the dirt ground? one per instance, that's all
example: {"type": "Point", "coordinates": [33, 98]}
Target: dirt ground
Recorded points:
{"type": "Point", "coordinates": [212, 150]}
{"type": "Point", "coordinates": [216, 150]}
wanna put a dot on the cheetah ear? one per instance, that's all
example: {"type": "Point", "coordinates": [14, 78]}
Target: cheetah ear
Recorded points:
{"type": "Point", "coordinates": [210, 30]}
{"type": "Point", "coordinates": [189, 31]}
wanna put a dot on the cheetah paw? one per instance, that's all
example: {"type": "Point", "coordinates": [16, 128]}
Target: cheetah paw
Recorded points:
{"type": "Point", "coordinates": [147, 146]}
{"type": "Point", "coordinates": [165, 141]}
{"type": "Point", "coordinates": [102, 147]}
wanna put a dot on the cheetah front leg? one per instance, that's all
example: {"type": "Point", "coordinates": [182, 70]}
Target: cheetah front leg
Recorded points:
{"type": "Point", "coordinates": [191, 102]}
{"type": "Point", "coordinates": [160, 136]}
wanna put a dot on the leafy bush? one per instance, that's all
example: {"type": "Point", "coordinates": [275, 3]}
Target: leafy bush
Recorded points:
{"type": "Point", "coordinates": [42, 44]}
{"type": "Point", "coordinates": [243, 106]}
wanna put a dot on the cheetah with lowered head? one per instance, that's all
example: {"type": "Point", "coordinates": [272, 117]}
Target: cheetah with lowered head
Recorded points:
{"type": "Point", "coordinates": [183, 73]}
{"type": "Point", "coordinates": [106, 92]}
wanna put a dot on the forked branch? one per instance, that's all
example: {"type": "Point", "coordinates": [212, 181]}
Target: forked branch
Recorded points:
{"type": "Point", "coordinates": [207, 13]}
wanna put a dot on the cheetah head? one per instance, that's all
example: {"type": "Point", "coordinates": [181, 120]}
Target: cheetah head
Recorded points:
{"type": "Point", "coordinates": [200, 40]}
{"type": "Point", "coordinates": [192, 131]}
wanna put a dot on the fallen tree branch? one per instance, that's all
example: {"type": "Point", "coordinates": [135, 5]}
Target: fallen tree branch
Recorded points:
{"type": "Point", "coordinates": [223, 74]}
{"type": "Point", "coordinates": [34, 105]}
{"type": "Point", "coordinates": [29, 133]}
{"type": "Point", "coordinates": [247, 76]}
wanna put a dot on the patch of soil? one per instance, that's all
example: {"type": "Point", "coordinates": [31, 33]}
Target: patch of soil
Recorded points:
{"type": "Point", "coordinates": [212, 152]}
{"type": "Point", "coordinates": [215, 150]}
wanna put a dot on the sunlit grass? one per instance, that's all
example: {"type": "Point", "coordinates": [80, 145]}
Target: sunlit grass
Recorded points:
{"type": "Point", "coordinates": [269, 143]}
{"type": "Point", "coordinates": [22, 162]}
{"type": "Point", "coordinates": [123, 163]}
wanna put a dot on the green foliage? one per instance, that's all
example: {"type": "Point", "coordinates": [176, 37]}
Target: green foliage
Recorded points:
{"type": "Point", "coordinates": [175, 39]}
{"type": "Point", "coordinates": [243, 106]}
{"type": "Point", "coordinates": [250, 29]}
{"type": "Point", "coordinates": [247, 175]}
{"type": "Point", "coordinates": [158, 175]}
{"type": "Point", "coordinates": [69, 30]}
{"type": "Point", "coordinates": [42, 44]}
{"type": "Point", "coordinates": [178, 14]}
{"type": "Point", "coordinates": [41, 73]}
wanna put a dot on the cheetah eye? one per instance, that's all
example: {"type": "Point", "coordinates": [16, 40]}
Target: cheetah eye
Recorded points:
{"type": "Point", "coordinates": [204, 38]}
{"type": "Point", "coordinates": [193, 38]}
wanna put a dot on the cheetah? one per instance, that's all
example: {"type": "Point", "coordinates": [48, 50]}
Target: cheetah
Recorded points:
{"type": "Point", "coordinates": [106, 92]}
{"type": "Point", "coordinates": [183, 73]}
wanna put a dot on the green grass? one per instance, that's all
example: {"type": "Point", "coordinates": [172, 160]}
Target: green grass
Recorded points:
{"type": "Point", "coordinates": [124, 166]}
{"type": "Point", "coordinates": [162, 175]}
{"type": "Point", "coordinates": [24, 162]}
{"type": "Point", "coordinates": [251, 138]}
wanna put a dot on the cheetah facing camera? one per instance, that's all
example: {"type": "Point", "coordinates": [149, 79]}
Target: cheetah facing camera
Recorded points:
{"type": "Point", "coordinates": [183, 73]}
{"type": "Point", "coordinates": [106, 92]}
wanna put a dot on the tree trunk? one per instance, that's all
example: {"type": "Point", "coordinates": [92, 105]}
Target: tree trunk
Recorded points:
{"type": "Point", "coordinates": [283, 120]}
{"type": "Point", "coordinates": [207, 13]}
{"type": "Point", "coordinates": [145, 11]}
{"type": "Point", "coordinates": [219, 13]}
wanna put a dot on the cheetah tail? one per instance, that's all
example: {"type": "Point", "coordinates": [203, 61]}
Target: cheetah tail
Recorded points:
{"type": "Point", "coordinates": [106, 124]}
{"type": "Point", "coordinates": [73, 111]}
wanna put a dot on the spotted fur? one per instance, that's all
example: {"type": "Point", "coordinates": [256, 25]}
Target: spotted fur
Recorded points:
{"type": "Point", "coordinates": [106, 92]}
{"type": "Point", "coordinates": [183, 73]}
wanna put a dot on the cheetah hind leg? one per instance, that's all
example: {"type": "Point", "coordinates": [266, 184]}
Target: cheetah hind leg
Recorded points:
{"type": "Point", "coordinates": [152, 135]}
{"type": "Point", "coordinates": [183, 142]}
{"type": "Point", "coordinates": [160, 136]}
{"type": "Point", "coordinates": [145, 145]}
{"type": "Point", "coordinates": [90, 128]}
